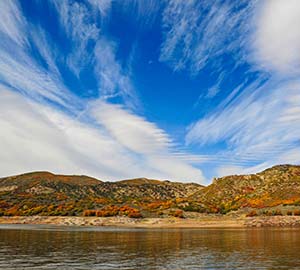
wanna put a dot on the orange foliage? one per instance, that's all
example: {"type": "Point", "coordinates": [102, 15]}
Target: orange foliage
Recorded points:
{"type": "Point", "coordinates": [253, 213]}
{"type": "Point", "coordinates": [89, 213]}
{"type": "Point", "coordinates": [134, 213]}
{"type": "Point", "coordinates": [180, 200]}
{"type": "Point", "coordinates": [297, 213]}
{"type": "Point", "coordinates": [178, 214]}
{"type": "Point", "coordinates": [13, 211]}
{"type": "Point", "coordinates": [159, 205]}
{"type": "Point", "coordinates": [113, 210]}
{"type": "Point", "coordinates": [101, 200]}
{"type": "Point", "coordinates": [108, 211]}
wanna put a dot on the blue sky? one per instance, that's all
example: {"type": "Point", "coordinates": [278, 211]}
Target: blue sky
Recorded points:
{"type": "Point", "coordinates": [179, 90]}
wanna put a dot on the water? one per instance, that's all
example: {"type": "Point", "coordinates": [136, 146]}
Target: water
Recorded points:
{"type": "Point", "coordinates": [42, 247]}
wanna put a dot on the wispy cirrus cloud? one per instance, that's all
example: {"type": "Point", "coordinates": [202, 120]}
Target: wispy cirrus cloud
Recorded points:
{"type": "Point", "coordinates": [45, 125]}
{"type": "Point", "coordinates": [91, 47]}
{"type": "Point", "coordinates": [12, 24]}
{"type": "Point", "coordinates": [82, 32]}
{"type": "Point", "coordinates": [143, 12]}
{"type": "Point", "coordinates": [258, 122]}
{"type": "Point", "coordinates": [103, 6]}
{"type": "Point", "coordinates": [122, 145]}
{"type": "Point", "coordinates": [19, 70]}
{"type": "Point", "coordinates": [113, 81]}
{"type": "Point", "coordinates": [257, 125]}
{"type": "Point", "coordinates": [22, 73]}
{"type": "Point", "coordinates": [197, 31]}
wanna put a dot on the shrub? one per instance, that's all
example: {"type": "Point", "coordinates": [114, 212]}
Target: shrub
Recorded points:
{"type": "Point", "coordinates": [267, 213]}
{"type": "Point", "coordinates": [135, 214]}
{"type": "Point", "coordinates": [105, 213]}
{"type": "Point", "coordinates": [193, 208]}
{"type": "Point", "coordinates": [89, 213]}
{"type": "Point", "coordinates": [289, 213]}
{"type": "Point", "coordinates": [277, 213]}
{"type": "Point", "coordinates": [113, 210]}
{"type": "Point", "coordinates": [159, 205]}
{"type": "Point", "coordinates": [224, 209]}
{"type": "Point", "coordinates": [130, 212]}
{"type": "Point", "coordinates": [178, 214]}
{"type": "Point", "coordinates": [253, 213]}
{"type": "Point", "coordinates": [297, 213]}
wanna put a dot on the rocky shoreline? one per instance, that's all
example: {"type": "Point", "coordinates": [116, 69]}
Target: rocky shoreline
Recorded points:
{"type": "Point", "coordinates": [275, 221]}
{"type": "Point", "coordinates": [203, 222]}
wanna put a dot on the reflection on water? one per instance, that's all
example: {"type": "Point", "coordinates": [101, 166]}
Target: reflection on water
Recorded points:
{"type": "Point", "coordinates": [84, 248]}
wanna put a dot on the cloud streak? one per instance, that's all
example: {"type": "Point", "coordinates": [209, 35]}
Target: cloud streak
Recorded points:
{"type": "Point", "coordinates": [258, 122]}
{"type": "Point", "coordinates": [197, 32]}
{"type": "Point", "coordinates": [36, 137]}
{"type": "Point", "coordinates": [45, 125]}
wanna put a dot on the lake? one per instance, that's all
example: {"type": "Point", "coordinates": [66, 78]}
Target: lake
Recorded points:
{"type": "Point", "coordinates": [50, 247]}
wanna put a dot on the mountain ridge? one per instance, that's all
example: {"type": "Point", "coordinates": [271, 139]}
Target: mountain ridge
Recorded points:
{"type": "Point", "coordinates": [45, 193]}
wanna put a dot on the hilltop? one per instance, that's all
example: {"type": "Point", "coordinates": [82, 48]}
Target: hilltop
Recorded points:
{"type": "Point", "coordinates": [279, 185]}
{"type": "Point", "coordinates": [49, 194]}
{"type": "Point", "coordinates": [44, 193]}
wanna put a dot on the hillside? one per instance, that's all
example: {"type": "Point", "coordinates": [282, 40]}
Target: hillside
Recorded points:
{"type": "Point", "coordinates": [49, 194]}
{"type": "Point", "coordinates": [279, 185]}
{"type": "Point", "coordinates": [44, 193]}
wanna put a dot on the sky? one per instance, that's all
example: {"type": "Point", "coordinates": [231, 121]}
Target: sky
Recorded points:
{"type": "Point", "coordinates": [163, 89]}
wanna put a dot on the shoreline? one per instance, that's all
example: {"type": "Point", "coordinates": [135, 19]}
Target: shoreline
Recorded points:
{"type": "Point", "coordinates": [200, 222]}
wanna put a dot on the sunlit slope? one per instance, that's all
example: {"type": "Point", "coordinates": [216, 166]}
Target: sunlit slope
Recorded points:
{"type": "Point", "coordinates": [275, 186]}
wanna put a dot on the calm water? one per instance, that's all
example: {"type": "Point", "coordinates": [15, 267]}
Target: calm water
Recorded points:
{"type": "Point", "coordinates": [40, 247]}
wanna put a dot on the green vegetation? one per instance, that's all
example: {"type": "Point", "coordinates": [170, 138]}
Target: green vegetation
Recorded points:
{"type": "Point", "coordinates": [46, 194]}
{"type": "Point", "coordinates": [275, 191]}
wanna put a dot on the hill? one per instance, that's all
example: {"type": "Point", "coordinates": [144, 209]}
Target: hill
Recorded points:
{"type": "Point", "coordinates": [44, 193]}
{"type": "Point", "coordinates": [279, 185]}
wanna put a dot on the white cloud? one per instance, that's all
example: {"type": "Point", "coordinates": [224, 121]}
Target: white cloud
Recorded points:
{"type": "Point", "coordinates": [198, 31]}
{"type": "Point", "coordinates": [102, 6]}
{"type": "Point", "coordinates": [112, 80]}
{"type": "Point", "coordinates": [277, 35]}
{"type": "Point", "coordinates": [23, 74]}
{"type": "Point", "coordinates": [90, 47]}
{"type": "Point", "coordinates": [81, 29]}
{"type": "Point", "coordinates": [132, 131]}
{"type": "Point", "coordinates": [224, 170]}
{"type": "Point", "coordinates": [12, 23]}
{"type": "Point", "coordinates": [174, 168]}
{"type": "Point", "coordinates": [35, 137]}
{"type": "Point", "coordinates": [103, 140]}
{"type": "Point", "coordinates": [19, 70]}
{"type": "Point", "coordinates": [262, 124]}
{"type": "Point", "coordinates": [256, 123]}
{"type": "Point", "coordinates": [229, 170]}
{"type": "Point", "coordinates": [42, 42]}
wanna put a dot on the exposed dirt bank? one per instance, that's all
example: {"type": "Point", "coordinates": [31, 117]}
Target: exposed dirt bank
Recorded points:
{"type": "Point", "coordinates": [207, 221]}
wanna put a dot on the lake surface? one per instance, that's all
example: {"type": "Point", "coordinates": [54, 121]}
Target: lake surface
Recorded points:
{"type": "Point", "coordinates": [42, 247]}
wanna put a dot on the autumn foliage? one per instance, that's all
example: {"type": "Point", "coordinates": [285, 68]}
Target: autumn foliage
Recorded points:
{"type": "Point", "coordinates": [253, 213]}
{"type": "Point", "coordinates": [297, 213]}
{"type": "Point", "coordinates": [47, 194]}
{"type": "Point", "coordinates": [177, 213]}
{"type": "Point", "coordinates": [113, 210]}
